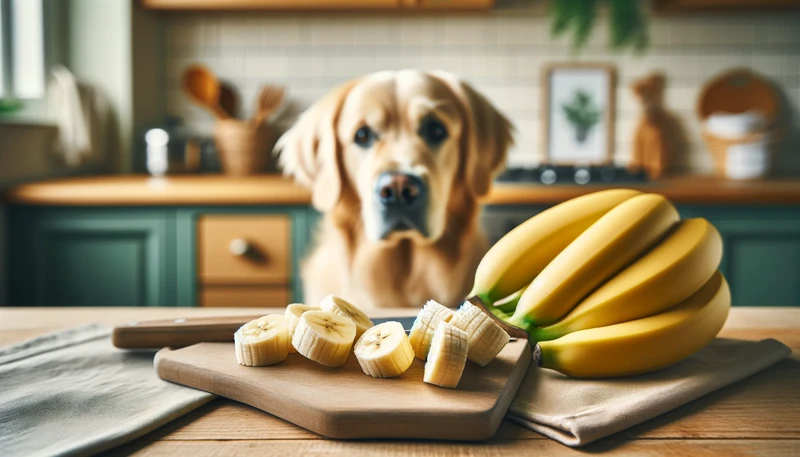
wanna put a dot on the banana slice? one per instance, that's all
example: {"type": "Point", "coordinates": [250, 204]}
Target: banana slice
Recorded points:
{"type": "Point", "coordinates": [264, 341]}
{"type": "Point", "coordinates": [427, 320]}
{"type": "Point", "coordinates": [447, 357]}
{"type": "Point", "coordinates": [384, 351]}
{"type": "Point", "coordinates": [324, 337]}
{"type": "Point", "coordinates": [338, 305]}
{"type": "Point", "coordinates": [292, 315]}
{"type": "Point", "coordinates": [486, 338]}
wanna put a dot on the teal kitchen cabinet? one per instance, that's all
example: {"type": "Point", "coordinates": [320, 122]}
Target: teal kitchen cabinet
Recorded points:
{"type": "Point", "coordinates": [91, 258]}
{"type": "Point", "coordinates": [124, 256]}
{"type": "Point", "coordinates": [761, 257]}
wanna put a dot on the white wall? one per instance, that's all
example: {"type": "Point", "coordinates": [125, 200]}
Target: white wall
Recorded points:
{"type": "Point", "coordinates": [25, 151]}
{"type": "Point", "coordinates": [100, 54]}
{"type": "Point", "coordinates": [501, 54]}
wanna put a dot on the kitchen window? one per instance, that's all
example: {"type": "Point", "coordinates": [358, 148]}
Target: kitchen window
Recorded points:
{"type": "Point", "coordinates": [23, 60]}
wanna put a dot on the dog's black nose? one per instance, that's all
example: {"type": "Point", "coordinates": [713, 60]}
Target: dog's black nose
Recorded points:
{"type": "Point", "coordinates": [399, 189]}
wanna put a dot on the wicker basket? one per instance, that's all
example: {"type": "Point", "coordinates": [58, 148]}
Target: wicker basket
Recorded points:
{"type": "Point", "coordinates": [244, 148]}
{"type": "Point", "coordinates": [738, 91]}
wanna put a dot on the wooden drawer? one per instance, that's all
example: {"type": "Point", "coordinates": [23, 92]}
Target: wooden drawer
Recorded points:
{"type": "Point", "coordinates": [265, 261]}
{"type": "Point", "coordinates": [244, 296]}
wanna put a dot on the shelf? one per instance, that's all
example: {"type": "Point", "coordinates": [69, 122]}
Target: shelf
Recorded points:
{"type": "Point", "coordinates": [684, 6]}
{"type": "Point", "coordinates": [317, 5]}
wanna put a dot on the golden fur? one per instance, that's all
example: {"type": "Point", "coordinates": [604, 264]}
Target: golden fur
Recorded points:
{"type": "Point", "coordinates": [407, 269]}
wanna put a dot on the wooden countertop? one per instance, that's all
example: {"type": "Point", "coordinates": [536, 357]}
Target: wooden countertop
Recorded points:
{"type": "Point", "coordinates": [132, 190]}
{"type": "Point", "coordinates": [758, 415]}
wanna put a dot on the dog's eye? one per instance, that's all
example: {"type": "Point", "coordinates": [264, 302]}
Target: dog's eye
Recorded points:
{"type": "Point", "coordinates": [432, 131]}
{"type": "Point", "coordinates": [364, 137]}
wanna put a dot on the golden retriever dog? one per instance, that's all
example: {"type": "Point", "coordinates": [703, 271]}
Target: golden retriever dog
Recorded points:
{"type": "Point", "coordinates": [397, 163]}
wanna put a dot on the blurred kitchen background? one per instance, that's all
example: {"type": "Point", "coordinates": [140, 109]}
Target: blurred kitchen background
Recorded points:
{"type": "Point", "coordinates": [86, 82]}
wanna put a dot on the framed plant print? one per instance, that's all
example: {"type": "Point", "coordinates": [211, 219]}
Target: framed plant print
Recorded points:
{"type": "Point", "coordinates": [579, 111]}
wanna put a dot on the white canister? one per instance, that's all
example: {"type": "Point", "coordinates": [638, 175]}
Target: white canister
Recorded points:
{"type": "Point", "coordinates": [749, 160]}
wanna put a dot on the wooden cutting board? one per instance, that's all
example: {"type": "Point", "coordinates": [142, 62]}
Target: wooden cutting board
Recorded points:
{"type": "Point", "coordinates": [345, 403]}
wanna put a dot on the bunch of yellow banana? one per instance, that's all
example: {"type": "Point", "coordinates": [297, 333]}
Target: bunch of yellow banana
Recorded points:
{"type": "Point", "coordinates": [609, 284]}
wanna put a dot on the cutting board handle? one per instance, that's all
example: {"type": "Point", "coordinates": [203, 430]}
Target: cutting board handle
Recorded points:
{"type": "Point", "coordinates": [177, 332]}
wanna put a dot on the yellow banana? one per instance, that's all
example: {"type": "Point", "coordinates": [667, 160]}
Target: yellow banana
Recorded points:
{"type": "Point", "coordinates": [324, 337]}
{"type": "Point", "coordinates": [384, 351]}
{"type": "Point", "coordinates": [615, 240]}
{"type": "Point", "coordinates": [264, 341]}
{"type": "Point", "coordinates": [486, 337]}
{"type": "Point", "coordinates": [523, 252]}
{"type": "Point", "coordinates": [447, 357]}
{"type": "Point", "coordinates": [425, 324]}
{"type": "Point", "coordinates": [672, 271]}
{"type": "Point", "coordinates": [641, 345]}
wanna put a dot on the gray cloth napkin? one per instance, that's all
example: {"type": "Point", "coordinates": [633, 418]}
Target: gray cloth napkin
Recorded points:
{"type": "Point", "coordinates": [72, 393]}
{"type": "Point", "coordinates": [578, 411]}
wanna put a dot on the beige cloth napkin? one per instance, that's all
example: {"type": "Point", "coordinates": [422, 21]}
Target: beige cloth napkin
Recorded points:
{"type": "Point", "coordinates": [578, 411]}
{"type": "Point", "coordinates": [73, 393]}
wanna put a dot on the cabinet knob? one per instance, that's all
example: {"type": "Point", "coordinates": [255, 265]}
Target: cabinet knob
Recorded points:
{"type": "Point", "coordinates": [239, 247]}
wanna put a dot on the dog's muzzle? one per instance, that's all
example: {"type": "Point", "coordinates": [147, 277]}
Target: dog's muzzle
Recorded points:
{"type": "Point", "coordinates": [402, 201]}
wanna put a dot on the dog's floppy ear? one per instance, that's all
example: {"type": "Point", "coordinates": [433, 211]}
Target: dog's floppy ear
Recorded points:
{"type": "Point", "coordinates": [486, 137]}
{"type": "Point", "coordinates": [309, 151]}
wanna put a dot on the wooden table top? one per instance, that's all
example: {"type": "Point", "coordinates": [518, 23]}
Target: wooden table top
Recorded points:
{"type": "Point", "coordinates": [757, 416]}
{"type": "Point", "coordinates": [138, 190]}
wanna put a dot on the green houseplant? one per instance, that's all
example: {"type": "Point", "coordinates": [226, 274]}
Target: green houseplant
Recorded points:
{"type": "Point", "coordinates": [627, 22]}
{"type": "Point", "coordinates": [582, 113]}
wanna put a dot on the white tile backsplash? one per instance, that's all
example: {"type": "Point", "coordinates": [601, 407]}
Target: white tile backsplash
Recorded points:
{"type": "Point", "coordinates": [738, 33]}
{"type": "Point", "coordinates": [501, 55]}
{"type": "Point", "coordinates": [266, 68]}
{"type": "Point", "coordinates": [241, 32]}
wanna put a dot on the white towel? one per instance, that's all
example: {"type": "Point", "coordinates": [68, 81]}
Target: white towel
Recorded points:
{"type": "Point", "coordinates": [73, 393]}
{"type": "Point", "coordinates": [81, 113]}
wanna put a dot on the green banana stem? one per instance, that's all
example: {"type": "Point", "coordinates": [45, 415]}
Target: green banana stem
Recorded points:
{"type": "Point", "coordinates": [505, 310]}
{"type": "Point", "coordinates": [522, 322]}
{"type": "Point", "coordinates": [499, 313]}
{"type": "Point", "coordinates": [509, 304]}
{"type": "Point", "coordinates": [507, 307]}
{"type": "Point", "coordinates": [484, 296]}
{"type": "Point", "coordinates": [542, 334]}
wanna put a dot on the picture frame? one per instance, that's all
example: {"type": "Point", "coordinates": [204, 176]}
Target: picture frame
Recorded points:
{"type": "Point", "coordinates": [579, 113]}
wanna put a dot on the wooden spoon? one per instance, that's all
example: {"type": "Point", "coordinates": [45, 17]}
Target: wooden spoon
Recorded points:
{"type": "Point", "coordinates": [203, 87]}
{"type": "Point", "coordinates": [228, 100]}
{"type": "Point", "coordinates": [267, 103]}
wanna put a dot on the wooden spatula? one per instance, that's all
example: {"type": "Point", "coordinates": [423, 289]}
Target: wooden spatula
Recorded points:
{"type": "Point", "coordinates": [267, 103]}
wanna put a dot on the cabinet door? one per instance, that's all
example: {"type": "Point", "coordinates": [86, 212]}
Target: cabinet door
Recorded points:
{"type": "Point", "coordinates": [92, 260]}
{"type": "Point", "coordinates": [499, 220]}
{"type": "Point", "coordinates": [762, 261]}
